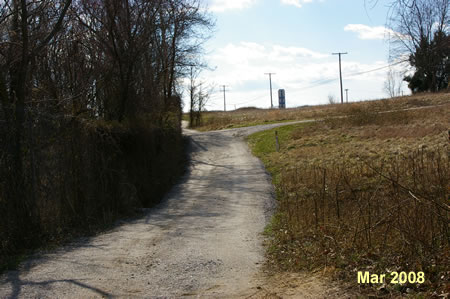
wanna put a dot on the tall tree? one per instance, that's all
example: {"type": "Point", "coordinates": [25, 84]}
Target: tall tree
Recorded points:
{"type": "Point", "coordinates": [422, 33]}
{"type": "Point", "coordinates": [65, 61]}
{"type": "Point", "coordinates": [26, 29]}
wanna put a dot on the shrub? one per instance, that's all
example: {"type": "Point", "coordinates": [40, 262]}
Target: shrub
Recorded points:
{"type": "Point", "coordinates": [82, 174]}
{"type": "Point", "coordinates": [375, 216]}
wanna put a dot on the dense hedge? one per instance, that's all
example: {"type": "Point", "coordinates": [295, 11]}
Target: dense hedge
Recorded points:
{"type": "Point", "coordinates": [90, 110]}
{"type": "Point", "coordinates": [81, 174]}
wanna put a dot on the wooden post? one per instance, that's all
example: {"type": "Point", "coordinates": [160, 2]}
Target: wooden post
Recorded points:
{"type": "Point", "coordinates": [276, 141]}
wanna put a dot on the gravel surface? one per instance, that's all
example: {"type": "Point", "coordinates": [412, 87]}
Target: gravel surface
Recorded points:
{"type": "Point", "coordinates": [203, 240]}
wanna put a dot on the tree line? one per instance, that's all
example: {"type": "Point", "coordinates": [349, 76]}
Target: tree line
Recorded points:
{"type": "Point", "coordinates": [108, 59]}
{"type": "Point", "coordinates": [71, 65]}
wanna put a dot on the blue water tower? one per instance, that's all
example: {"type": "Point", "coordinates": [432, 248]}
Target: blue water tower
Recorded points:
{"type": "Point", "coordinates": [281, 99]}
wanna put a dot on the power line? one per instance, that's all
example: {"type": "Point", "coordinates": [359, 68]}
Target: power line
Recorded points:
{"type": "Point", "coordinates": [270, 81]}
{"type": "Point", "coordinates": [246, 102]}
{"type": "Point", "coordinates": [327, 81]}
{"type": "Point", "coordinates": [340, 74]}
{"type": "Point", "coordinates": [320, 83]}
{"type": "Point", "coordinates": [377, 69]}
{"type": "Point", "coordinates": [317, 82]}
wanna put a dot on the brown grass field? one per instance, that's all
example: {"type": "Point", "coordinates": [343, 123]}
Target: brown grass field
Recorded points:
{"type": "Point", "coordinates": [362, 190]}
{"type": "Point", "coordinates": [217, 120]}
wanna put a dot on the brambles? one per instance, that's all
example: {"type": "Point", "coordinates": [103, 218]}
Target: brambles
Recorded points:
{"type": "Point", "coordinates": [363, 195]}
{"type": "Point", "coordinates": [382, 214]}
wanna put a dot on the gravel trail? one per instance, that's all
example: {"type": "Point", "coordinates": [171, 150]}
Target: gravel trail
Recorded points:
{"type": "Point", "coordinates": [204, 240]}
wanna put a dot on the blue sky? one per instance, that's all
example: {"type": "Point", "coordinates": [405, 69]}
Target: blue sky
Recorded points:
{"type": "Point", "coordinates": [295, 39]}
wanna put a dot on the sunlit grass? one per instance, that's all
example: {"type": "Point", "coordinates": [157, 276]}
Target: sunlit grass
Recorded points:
{"type": "Point", "coordinates": [217, 120]}
{"type": "Point", "coordinates": [366, 191]}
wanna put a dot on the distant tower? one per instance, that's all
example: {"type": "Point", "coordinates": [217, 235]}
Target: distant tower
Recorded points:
{"type": "Point", "coordinates": [281, 99]}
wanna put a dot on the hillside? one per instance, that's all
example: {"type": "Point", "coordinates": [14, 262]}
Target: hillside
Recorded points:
{"type": "Point", "coordinates": [363, 190]}
{"type": "Point", "coordinates": [247, 117]}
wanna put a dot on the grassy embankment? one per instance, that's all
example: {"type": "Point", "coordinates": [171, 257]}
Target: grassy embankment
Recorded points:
{"type": "Point", "coordinates": [216, 120]}
{"type": "Point", "coordinates": [368, 192]}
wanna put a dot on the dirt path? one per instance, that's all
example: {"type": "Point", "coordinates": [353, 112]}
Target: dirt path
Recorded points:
{"type": "Point", "coordinates": [203, 240]}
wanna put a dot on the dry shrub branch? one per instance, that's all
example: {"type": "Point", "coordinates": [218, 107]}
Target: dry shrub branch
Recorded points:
{"type": "Point", "coordinates": [380, 216]}
{"type": "Point", "coordinates": [364, 192]}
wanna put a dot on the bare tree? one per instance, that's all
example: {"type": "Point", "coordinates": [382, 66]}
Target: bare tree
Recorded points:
{"type": "Point", "coordinates": [199, 93]}
{"type": "Point", "coordinates": [26, 29]}
{"type": "Point", "coordinates": [393, 83]}
{"type": "Point", "coordinates": [331, 99]}
{"type": "Point", "coordinates": [414, 21]}
{"type": "Point", "coordinates": [66, 63]}
{"type": "Point", "coordinates": [421, 31]}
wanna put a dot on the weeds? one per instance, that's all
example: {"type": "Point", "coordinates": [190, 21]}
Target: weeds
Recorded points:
{"type": "Point", "coordinates": [383, 215]}
{"type": "Point", "coordinates": [368, 192]}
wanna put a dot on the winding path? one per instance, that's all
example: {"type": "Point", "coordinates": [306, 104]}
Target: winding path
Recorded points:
{"type": "Point", "coordinates": [203, 240]}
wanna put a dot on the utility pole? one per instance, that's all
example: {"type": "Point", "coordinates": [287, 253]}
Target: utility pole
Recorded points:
{"type": "Point", "coordinates": [270, 81]}
{"type": "Point", "coordinates": [224, 98]}
{"type": "Point", "coordinates": [340, 74]}
{"type": "Point", "coordinates": [346, 95]}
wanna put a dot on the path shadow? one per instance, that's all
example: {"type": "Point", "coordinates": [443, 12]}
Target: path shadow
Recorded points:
{"type": "Point", "coordinates": [17, 284]}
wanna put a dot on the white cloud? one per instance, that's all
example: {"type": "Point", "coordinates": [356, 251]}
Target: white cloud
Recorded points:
{"type": "Point", "coordinates": [249, 61]}
{"type": "Point", "coordinates": [291, 52]}
{"type": "Point", "coordinates": [306, 75]}
{"type": "Point", "coordinates": [297, 3]}
{"type": "Point", "coordinates": [223, 5]}
{"type": "Point", "coordinates": [369, 33]}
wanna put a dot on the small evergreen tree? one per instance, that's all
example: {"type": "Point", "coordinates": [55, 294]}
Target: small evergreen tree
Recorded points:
{"type": "Point", "coordinates": [432, 64]}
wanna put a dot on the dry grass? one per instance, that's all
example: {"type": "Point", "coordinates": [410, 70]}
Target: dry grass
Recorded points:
{"type": "Point", "coordinates": [367, 192]}
{"type": "Point", "coordinates": [249, 116]}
